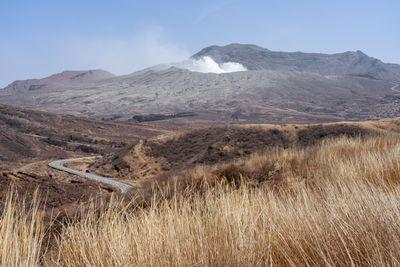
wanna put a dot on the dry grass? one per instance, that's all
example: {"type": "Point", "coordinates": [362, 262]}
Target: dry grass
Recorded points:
{"type": "Point", "coordinates": [21, 232]}
{"type": "Point", "coordinates": [357, 224]}
{"type": "Point", "coordinates": [337, 203]}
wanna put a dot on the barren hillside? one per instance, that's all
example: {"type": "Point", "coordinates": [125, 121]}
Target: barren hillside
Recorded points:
{"type": "Point", "coordinates": [278, 87]}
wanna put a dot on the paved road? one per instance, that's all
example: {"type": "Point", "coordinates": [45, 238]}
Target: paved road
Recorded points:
{"type": "Point", "coordinates": [394, 88]}
{"type": "Point", "coordinates": [59, 165]}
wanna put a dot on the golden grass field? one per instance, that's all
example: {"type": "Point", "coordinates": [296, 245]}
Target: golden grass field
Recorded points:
{"type": "Point", "coordinates": [333, 204]}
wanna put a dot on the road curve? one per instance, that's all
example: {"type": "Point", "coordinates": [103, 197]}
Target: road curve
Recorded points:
{"type": "Point", "coordinates": [59, 165]}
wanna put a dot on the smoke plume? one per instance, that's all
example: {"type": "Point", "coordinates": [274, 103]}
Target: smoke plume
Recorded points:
{"type": "Point", "coordinates": [208, 65]}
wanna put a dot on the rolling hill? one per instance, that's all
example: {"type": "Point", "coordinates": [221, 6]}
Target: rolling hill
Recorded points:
{"type": "Point", "coordinates": [27, 136]}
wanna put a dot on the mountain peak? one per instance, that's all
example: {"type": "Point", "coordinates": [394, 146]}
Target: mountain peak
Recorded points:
{"type": "Point", "coordinates": [234, 48]}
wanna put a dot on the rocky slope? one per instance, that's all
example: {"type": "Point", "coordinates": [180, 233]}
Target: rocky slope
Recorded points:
{"type": "Point", "coordinates": [257, 58]}
{"type": "Point", "coordinates": [64, 79]}
{"type": "Point", "coordinates": [278, 88]}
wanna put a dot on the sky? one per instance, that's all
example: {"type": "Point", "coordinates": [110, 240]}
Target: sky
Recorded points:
{"type": "Point", "coordinates": [43, 37]}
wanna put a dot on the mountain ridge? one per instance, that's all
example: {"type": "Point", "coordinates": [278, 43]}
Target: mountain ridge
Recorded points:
{"type": "Point", "coordinates": [289, 88]}
{"type": "Point", "coordinates": [254, 57]}
{"type": "Point", "coordinates": [234, 53]}
{"type": "Point", "coordinates": [64, 78]}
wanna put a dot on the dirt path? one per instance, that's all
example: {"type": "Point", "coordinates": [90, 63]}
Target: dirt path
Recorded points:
{"type": "Point", "coordinates": [59, 165]}
{"type": "Point", "coordinates": [142, 165]}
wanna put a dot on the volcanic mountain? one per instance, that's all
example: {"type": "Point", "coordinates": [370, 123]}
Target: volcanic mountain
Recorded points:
{"type": "Point", "coordinates": [257, 58]}
{"type": "Point", "coordinates": [277, 87]}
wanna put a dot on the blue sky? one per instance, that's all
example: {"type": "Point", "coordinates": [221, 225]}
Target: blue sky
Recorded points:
{"type": "Point", "coordinates": [42, 37]}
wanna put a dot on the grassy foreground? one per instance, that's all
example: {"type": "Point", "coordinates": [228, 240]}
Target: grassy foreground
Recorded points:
{"type": "Point", "coordinates": [337, 203]}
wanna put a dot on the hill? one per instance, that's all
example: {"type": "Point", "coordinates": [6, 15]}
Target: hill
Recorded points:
{"type": "Point", "coordinates": [168, 155]}
{"type": "Point", "coordinates": [30, 139]}
{"type": "Point", "coordinates": [27, 136]}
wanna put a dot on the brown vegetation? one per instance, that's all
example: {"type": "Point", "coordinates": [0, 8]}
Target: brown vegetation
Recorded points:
{"type": "Point", "coordinates": [27, 136]}
{"type": "Point", "coordinates": [333, 203]}
{"type": "Point", "coordinates": [22, 232]}
{"type": "Point", "coordinates": [209, 146]}
{"type": "Point", "coordinates": [30, 139]}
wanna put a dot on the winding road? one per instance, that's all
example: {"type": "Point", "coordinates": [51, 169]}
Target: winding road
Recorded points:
{"type": "Point", "coordinates": [59, 165]}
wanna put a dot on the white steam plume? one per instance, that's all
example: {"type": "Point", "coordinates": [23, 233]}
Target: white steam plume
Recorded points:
{"type": "Point", "coordinates": [207, 65]}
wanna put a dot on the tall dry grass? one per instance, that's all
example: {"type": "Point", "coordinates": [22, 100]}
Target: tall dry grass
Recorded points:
{"type": "Point", "coordinates": [21, 232]}
{"type": "Point", "coordinates": [357, 224]}
{"type": "Point", "coordinates": [334, 204]}
{"type": "Point", "coordinates": [337, 203]}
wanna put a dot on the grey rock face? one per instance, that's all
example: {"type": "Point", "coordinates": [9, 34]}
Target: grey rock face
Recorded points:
{"type": "Point", "coordinates": [66, 78]}
{"type": "Point", "coordinates": [279, 87]}
{"type": "Point", "coordinates": [258, 58]}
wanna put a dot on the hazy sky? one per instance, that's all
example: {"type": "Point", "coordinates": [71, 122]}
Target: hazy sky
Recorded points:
{"type": "Point", "coordinates": [42, 37]}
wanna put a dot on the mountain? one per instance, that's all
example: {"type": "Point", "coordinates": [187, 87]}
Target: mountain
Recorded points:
{"type": "Point", "coordinates": [277, 88]}
{"type": "Point", "coordinates": [66, 78]}
{"type": "Point", "coordinates": [257, 58]}
{"type": "Point", "coordinates": [265, 96]}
